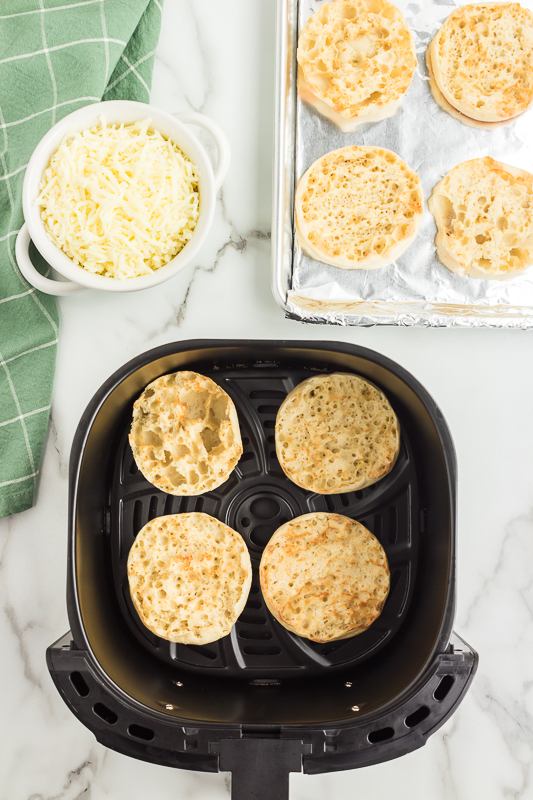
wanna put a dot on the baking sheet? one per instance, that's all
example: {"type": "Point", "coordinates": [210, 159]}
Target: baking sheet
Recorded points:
{"type": "Point", "coordinates": [417, 289]}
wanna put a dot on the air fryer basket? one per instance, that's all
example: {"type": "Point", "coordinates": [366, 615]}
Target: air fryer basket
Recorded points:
{"type": "Point", "coordinates": [262, 702]}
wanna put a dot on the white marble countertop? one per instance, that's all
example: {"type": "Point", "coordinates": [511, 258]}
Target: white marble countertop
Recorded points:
{"type": "Point", "coordinates": [217, 56]}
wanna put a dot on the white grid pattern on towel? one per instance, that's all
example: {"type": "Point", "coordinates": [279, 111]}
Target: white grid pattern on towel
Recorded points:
{"type": "Point", "coordinates": [26, 352]}
{"type": "Point", "coordinates": [49, 63]}
{"type": "Point", "coordinates": [89, 98]}
{"type": "Point", "coordinates": [31, 294]}
{"type": "Point", "coordinates": [106, 45]}
{"type": "Point", "coordinates": [131, 68]}
{"type": "Point", "coordinates": [19, 409]}
{"type": "Point", "coordinates": [11, 174]}
{"type": "Point", "coordinates": [5, 176]}
{"type": "Point", "coordinates": [19, 480]}
{"type": "Point", "coordinates": [23, 416]}
{"type": "Point", "coordinates": [16, 296]}
{"type": "Point", "coordinates": [53, 8]}
{"type": "Point", "coordinates": [62, 47]}
{"type": "Point", "coordinates": [11, 233]}
{"type": "Point", "coordinates": [13, 264]}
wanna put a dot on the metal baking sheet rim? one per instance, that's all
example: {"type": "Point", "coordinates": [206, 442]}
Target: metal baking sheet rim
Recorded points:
{"type": "Point", "coordinates": [427, 316]}
{"type": "Point", "coordinates": [319, 312]}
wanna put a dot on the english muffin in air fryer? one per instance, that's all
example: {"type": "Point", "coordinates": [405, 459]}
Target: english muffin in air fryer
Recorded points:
{"type": "Point", "coordinates": [484, 215]}
{"type": "Point", "coordinates": [185, 434]}
{"type": "Point", "coordinates": [482, 60]}
{"type": "Point", "coordinates": [324, 577]}
{"type": "Point", "coordinates": [189, 577]}
{"type": "Point", "coordinates": [357, 58]}
{"type": "Point", "coordinates": [336, 433]}
{"type": "Point", "coordinates": [358, 208]}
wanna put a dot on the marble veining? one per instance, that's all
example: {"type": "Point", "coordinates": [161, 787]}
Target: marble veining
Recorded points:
{"type": "Point", "coordinates": [239, 242]}
{"type": "Point", "coordinates": [218, 58]}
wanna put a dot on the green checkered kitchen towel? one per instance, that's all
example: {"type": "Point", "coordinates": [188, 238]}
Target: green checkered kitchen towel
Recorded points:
{"type": "Point", "coordinates": [55, 56]}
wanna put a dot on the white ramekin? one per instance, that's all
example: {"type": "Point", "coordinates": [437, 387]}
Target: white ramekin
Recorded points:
{"type": "Point", "coordinates": [126, 111]}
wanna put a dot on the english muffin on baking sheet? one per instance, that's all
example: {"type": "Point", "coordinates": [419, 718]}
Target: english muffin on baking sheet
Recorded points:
{"type": "Point", "coordinates": [358, 208]}
{"type": "Point", "coordinates": [336, 433]}
{"type": "Point", "coordinates": [357, 58]}
{"type": "Point", "coordinates": [189, 577]}
{"type": "Point", "coordinates": [346, 125]}
{"type": "Point", "coordinates": [482, 60]}
{"type": "Point", "coordinates": [185, 434]}
{"type": "Point", "coordinates": [324, 577]}
{"type": "Point", "coordinates": [453, 112]}
{"type": "Point", "coordinates": [484, 215]}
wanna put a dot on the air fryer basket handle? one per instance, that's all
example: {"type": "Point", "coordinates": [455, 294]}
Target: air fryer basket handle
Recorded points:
{"type": "Point", "coordinates": [260, 767]}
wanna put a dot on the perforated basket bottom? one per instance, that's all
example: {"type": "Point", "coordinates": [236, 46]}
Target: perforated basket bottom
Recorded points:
{"type": "Point", "coordinates": [255, 501]}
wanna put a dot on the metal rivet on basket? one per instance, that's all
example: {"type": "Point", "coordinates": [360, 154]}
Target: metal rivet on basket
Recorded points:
{"type": "Point", "coordinates": [179, 683]}
{"type": "Point", "coordinates": [355, 708]}
{"type": "Point", "coordinates": [348, 684]}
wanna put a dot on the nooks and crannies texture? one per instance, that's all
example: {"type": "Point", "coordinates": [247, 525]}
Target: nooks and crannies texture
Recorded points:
{"type": "Point", "coordinates": [336, 433]}
{"type": "Point", "coordinates": [484, 215]}
{"type": "Point", "coordinates": [357, 56]}
{"type": "Point", "coordinates": [358, 208]}
{"type": "Point", "coordinates": [324, 577]}
{"type": "Point", "coordinates": [185, 434]}
{"type": "Point", "coordinates": [189, 577]}
{"type": "Point", "coordinates": [482, 60]}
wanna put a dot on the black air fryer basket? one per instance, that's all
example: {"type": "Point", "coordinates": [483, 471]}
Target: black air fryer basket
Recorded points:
{"type": "Point", "coordinates": [262, 702]}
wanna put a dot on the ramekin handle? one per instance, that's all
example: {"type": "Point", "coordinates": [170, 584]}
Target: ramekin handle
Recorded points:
{"type": "Point", "coordinates": [221, 141]}
{"type": "Point", "coordinates": [46, 285]}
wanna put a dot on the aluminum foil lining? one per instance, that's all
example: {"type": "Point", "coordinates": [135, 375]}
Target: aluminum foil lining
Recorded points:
{"type": "Point", "coordinates": [417, 289]}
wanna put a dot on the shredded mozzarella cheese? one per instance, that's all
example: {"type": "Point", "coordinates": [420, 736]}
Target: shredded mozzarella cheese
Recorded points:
{"type": "Point", "coordinates": [119, 200]}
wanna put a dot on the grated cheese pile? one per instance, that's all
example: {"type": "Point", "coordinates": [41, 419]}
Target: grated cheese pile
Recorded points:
{"type": "Point", "coordinates": [119, 200]}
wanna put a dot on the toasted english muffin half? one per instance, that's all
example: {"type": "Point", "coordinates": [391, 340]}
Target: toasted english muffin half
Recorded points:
{"type": "Point", "coordinates": [189, 577]}
{"type": "Point", "coordinates": [185, 434]}
{"type": "Point", "coordinates": [482, 60]}
{"type": "Point", "coordinates": [358, 207]}
{"type": "Point", "coordinates": [451, 110]}
{"type": "Point", "coordinates": [336, 433]}
{"type": "Point", "coordinates": [324, 577]}
{"type": "Point", "coordinates": [357, 56]}
{"type": "Point", "coordinates": [483, 210]}
{"type": "Point", "coordinates": [346, 125]}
